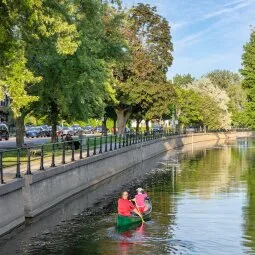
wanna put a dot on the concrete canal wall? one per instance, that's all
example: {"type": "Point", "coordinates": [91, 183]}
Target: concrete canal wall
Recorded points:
{"type": "Point", "coordinates": [11, 206]}
{"type": "Point", "coordinates": [44, 189]}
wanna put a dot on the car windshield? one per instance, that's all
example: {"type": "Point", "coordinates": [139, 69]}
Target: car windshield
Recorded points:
{"type": "Point", "coordinates": [33, 129]}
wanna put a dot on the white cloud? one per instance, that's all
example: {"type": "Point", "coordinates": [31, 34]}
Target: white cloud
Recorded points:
{"type": "Point", "coordinates": [215, 28]}
{"type": "Point", "coordinates": [229, 8]}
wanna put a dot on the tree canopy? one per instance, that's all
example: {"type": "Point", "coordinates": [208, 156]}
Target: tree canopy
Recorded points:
{"type": "Point", "coordinates": [248, 73]}
{"type": "Point", "coordinates": [223, 78]}
{"type": "Point", "coordinates": [141, 80]}
{"type": "Point", "coordinates": [21, 24]}
{"type": "Point", "coordinates": [182, 80]}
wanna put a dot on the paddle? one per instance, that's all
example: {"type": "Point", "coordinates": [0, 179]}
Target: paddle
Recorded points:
{"type": "Point", "coordinates": [139, 213]}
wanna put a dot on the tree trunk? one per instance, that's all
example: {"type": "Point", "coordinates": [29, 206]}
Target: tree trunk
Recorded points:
{"type": "Point", "coordinates": [20, 131]}
{"type": "Point", "coordinates": [138, 121]}
{"type": "Point", "coordinates": [147, 126]}
{"type": "Point", "coordinates": [104, 127]}
{"type": "Point", "coordinates": [122, 117]}
{"type": "Point", "coordinates": [114, 126]}
{"type": "Point", "coordinates": [54, 133]}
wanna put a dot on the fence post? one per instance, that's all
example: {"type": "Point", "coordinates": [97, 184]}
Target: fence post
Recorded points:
{"type": "Point", "coordinates": [101, 145]}
{"type": "Point", "coordinates": [111, 143]}
{"type": "Point", "coordinates": [1, 168]}
{"type": "Point", "coordinates": [64, 153]}
{"type": "Point", "coordinates": [123, 141]}
{"type": "Point", "coordinates": [106, 145]}
{"type": "Point", "coordinates": [53, 156]}
{"type": "Point", "coordinates": [115, 142]}
{"type": "Point", "coordinates": [28, 161]}
{"type": "Point", "coordinates": [72, 144]}
{"type": "Point", "coordinates": [95, 146]}
{"type": "Point", "coordinates": [127, 139]}
{"type": "Point", "coordinates": [42, 157]}
{"type": "Point", "coordinates": [81, 145]}
{"type": "Point", "coordinates": [119, 141]}
{"type": "Point", "coordinates": [88, 147]}
{"type": "Point", "coordinates": [18, 175]}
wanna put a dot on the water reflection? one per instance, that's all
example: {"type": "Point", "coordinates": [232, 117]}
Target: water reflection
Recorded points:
{"type": "Point", "coordinates": [203, 203]}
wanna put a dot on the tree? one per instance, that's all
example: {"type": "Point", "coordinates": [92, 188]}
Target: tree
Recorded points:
{"type": "Point", "coordinates": [231, 83]}
{"type": "Point", "coordinates": [21, 24]}
{"type": "Point", "coordinates": [182, 80]}
{"type": "Point", "coordinates": [111, 114]}
{"type": "Point", "coordinates": [248, 73]}
{"type": "Point", "coordinates": [193, 107]}
{"type": "Point", "coordinates": [205, 87]}
{"type": "Point", "coordinates": [236, 105]}
{"type": "Point", "coordinates": [149, 47]}
{"type": "Point", "coordinates": [73, 86]}
{"type": "Point", "coordinates": [223, 78]}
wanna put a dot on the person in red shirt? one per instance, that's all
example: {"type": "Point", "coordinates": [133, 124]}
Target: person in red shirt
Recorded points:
{"type": "Point", "coordinates": [125, 207]}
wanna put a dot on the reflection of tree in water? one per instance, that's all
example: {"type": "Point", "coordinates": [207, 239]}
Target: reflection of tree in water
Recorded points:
{"type": "Point", "coordinates": [249, 209]}
{"type": "Point", "coordinates": [210, 171]}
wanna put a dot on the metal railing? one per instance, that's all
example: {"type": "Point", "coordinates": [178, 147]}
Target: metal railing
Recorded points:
{"type": "Point", "coordinates": [17, 162]}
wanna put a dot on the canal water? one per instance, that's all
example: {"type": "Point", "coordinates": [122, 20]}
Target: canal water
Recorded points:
{"type": "Point", "coordinates": [203, 203]}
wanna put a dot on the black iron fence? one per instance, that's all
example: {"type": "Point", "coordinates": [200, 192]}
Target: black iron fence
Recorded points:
{"type": "Point", "coordinates": [17, 162]}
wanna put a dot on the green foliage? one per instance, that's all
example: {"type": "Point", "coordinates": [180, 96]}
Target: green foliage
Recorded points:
{"type": "Point", "coordinates": [21, 24]}
{"type": "Point", "coordinates": [248, 73]}
{"type": "Point", "coordinates": [223, 78]}
{"type": "Point", "coordinates": [206, 88]}
{"type": "Point", "coordinates": [195, 108]}
{"type": "Point", "coordinates": [140, 83]}
{"type": "Point", "coordinates": [231, 83]}
{"type": "Point", "coordinates": [237, 103]}
{"type": "Point", "coordinates": [182, 80]}
{"type": "Point", "coordinates": [73, 86]}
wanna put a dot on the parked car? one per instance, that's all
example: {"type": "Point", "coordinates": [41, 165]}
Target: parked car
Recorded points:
{"type": "Point", "coordinates": [98, 129]}
{"type": "Point", "coordinates": [34, 132]}
{"type": "Point", "coordinates": [190, 130]}
{"type": "Point", "coordinates": [67, 131]}
{"type": "Point", "coordinates": [76, 128]}
{"type": "Point", "coordinates": [88, 130]}
{"type": "Point", "coordinates": [157, 129]}
{"type": "Point", "coordinates": [46, 130]}
{"type": "Point", "coordinates": [4, 132]}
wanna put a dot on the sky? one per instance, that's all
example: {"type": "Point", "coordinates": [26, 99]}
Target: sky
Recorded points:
{"type": "Point", "coordinates": [207, 34]}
